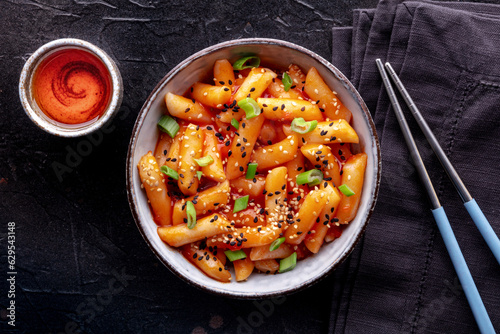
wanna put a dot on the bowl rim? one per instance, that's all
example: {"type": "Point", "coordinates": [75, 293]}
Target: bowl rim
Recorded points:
{"type": "Point", "coordinates": [145, 110]}
{"type": "Point", "coordinates": [32, 64]}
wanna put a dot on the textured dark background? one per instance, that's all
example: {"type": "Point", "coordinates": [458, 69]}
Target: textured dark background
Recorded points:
{"type": "Point", "coordinates": [72, 235]}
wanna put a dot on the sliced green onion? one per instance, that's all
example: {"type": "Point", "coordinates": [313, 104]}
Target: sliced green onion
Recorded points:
{"type": "Point", "coordinates": [299, 125]}
{"type": "Point", "coordinates": [235, 255]}
{"type": "Point", "coordinates": [287, 81]}
{"type": "Point", "coordinates": [312, 177]}
{"type": "Point", "coordinates": [276, 244]}
{"type": "Point", "coordinates": [169, 172]}
{"type": "Point", "coordinates": [251, 171]}
{"type": "Point", "coordinates": [288, 263]}
{"type": "Point", "coordinates": [199, 174]}
{"type": "Point", "coordinates": [251, 107]}
{"type": "Point", "coordinates": [246, 62]}
{"type": "Point", "coordinates": [240, 204]}
{"type": "Point", "coordinates": [191, 215]}
{"type": "Point", "coordinates": [169, 125]}
{"type": "Point", "coordinates": [205, 161]}
{"type": "Point", "coordinates": [346, 190]}
{"type": "Point", "coordinates": [235, 124]}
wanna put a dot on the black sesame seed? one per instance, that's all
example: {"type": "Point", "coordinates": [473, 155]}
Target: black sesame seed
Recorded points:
{"type": "Point", "coordinates": [275, 108]}
{"type": "Point", "coordinates": [252, 89]}
{"type": "Point", "coordinates": [195, 255]}
{"type": "Point", "coordinates": [209, 127]}
{"type": "Point", "coordinates": [244, 155]}
{"type": "Point", "coordinates": [230, 82]}
{"type": "Point", "coordinates": [226, 89]}
{"type": "Point", "coordinates": [227, 143]}
{"type": "Point", "coordinates": [242, 169]}
{"type": "Point", "coordinates": [229, 153]}
{"type": "Point", "coordinates": [282, 106]}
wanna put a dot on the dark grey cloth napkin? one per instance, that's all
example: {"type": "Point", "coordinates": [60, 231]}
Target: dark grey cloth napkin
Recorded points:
{"type": "Point", "coordinates": [400, 277]}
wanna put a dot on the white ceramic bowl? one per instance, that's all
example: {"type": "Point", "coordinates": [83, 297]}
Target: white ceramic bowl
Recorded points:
{"type": "Point", "coordinates": [198, 67]}
{"type": "Point", "coordinates": [46, 123]}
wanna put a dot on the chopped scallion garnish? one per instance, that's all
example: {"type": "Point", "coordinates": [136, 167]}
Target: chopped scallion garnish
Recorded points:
{"type": "Point", "coordinates": [299, 125]}
{"type": "Point", "coordinates": [250, 106]}
{"type": "Point", "coordinates": [199, 174]}
{"type": "Point", "coordinates": [205, 161]}
{"type": "Point", "coordinates": [235, 124]}
{"type": "Point", "coordinates": [346, 190]}
{"type": "Point", "coordinates": [312, 177]}
{"type": "Point", "coordinates": [246, 62]}
{"type": "Point", "coordinates": [191, 215]}
{"type": "Point", "coordinates": [235, 255]}
{"type": "Point", "coordinates": [251, 171]}
{"type": "Point", "coordinates": [169, 125]}
{"type": "Point", "coordinates": [287, 82]}
{"type": "Point", "coordinates": [240, 204]}
{"type": "Point", "coordinates": [276, 244]}
{"type": "Point", "coordinates": [169, 172]}
{"type": "Point", "coordinates": [288, 263]}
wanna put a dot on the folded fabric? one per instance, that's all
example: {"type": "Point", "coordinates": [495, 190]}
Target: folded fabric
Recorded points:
{"type": "Point", "coordinates": [400, 277]}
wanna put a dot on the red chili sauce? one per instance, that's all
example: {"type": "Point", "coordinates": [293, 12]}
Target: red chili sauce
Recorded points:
{"type": "Point", "coordinates": [72, 86]}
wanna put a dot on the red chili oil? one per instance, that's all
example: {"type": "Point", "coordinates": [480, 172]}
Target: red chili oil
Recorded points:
{"type": "Point", "coordinates": [72, 86]}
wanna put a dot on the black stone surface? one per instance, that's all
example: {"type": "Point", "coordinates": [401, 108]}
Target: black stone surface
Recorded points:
{"type": "Point", "coordinates": [75, 236]}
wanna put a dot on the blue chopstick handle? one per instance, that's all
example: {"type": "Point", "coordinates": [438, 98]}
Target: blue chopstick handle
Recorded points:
{"type": "Point", "coordinates": [457, 258]}
{"type": "Point", "coordinates": [484, 227]}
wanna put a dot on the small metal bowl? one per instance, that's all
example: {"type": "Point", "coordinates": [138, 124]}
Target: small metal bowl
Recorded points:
{"type": "Point", "coordinates": [38, 116]}
{"type": "Point", "coordinates": [199, 67]}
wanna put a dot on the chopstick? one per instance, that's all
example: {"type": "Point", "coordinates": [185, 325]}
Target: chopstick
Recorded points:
{"type": "Point", "coordinates": [472, 294]}
{"type": "Point", "coordinates": [470, 204]}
